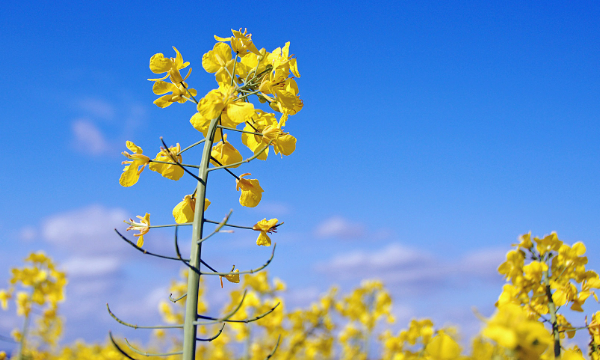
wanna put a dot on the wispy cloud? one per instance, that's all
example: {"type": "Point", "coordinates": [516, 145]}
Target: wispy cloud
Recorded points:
{"type": "Point", "coordinates": [96, 265]}
{"type": "Point", "coordinates": [412, 268]}
{"type": "Point", "coordinates": [88, 138]}
{"type": "Point", "coordinates": [339, 227]}
{"type": "Point", "coordinates": [97, 107]}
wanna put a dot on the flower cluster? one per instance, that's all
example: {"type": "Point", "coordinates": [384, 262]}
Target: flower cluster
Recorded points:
{"type": "Point", "coordinates": [37, 289]}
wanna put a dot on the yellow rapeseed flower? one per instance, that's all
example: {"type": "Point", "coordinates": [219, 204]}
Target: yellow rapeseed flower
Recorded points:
{"type": "Point", "coordinates": [265, 227]}
{"type": "Point", "coordinates": [170, 171]}
{"type": "Point", "coordinates": [185, 210]}
{"type": "Point", "coordinates": [241, 42]}
{"type": "Point", "coordinates": [160, 64]}
{"type": "Point", "coordinates": [221, 102]}
{"type": "Point", "coordinates": [251, 191]}
{"type": "Point", "coordinates": [225, 153]}
{"type": "Point", "coordinates": [131, 172]}
{"type": "Point", "coordinates": [143, 227]}
{"type": "Point", "coordinates": [234, 278]}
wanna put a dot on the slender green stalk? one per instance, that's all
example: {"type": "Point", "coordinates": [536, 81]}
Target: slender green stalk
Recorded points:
{"type": "Point", "coordinates": [191, 304]}
{"type": "Point", "coordinates": [191, 146]}
{"type": "Point", "coordinates": [23, 336]}
{"type": "Point", "coordinates": [141, 327]}
{"type": "Point", "coordinates": [552, 311]}
{"type": "Point", "coordinates": [150, 354]}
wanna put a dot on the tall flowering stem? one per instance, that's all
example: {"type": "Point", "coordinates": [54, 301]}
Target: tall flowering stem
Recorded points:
{"type": "Point", "coordinates": [270, 77]}
{"type": "Point", "coordinates": [189, 328]}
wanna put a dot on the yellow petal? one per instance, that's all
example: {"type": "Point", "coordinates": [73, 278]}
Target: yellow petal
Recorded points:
{"type": "Point", "coordinates": [263, 239]}
{"type": "Point", "coordinates": [286, 144]}
{"type": "Point", "coordinates": [184, 211]}
{"type": "Point", "coordinates": [133, 147]}
{"type": "Point", "coordinates": [140, 241]}
{"type": "Point", "coordinates": [129, 176]}
{"type": "Point", "coordinates": [164, 101]}
{"type": "Point", "coordinates": [159, 64]}
{"type": "Point", "coordinates": [239, 111]}
{"type": "Point", "coordinates": [162, 87]}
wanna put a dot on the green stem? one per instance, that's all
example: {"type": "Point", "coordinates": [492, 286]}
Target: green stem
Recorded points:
{"type": "Point", "coordinates": [233, 71]}
{"type": "Point", "coordinates": [552, 311]}
{"type": "Point", "coordinates": [23, 336]}
{"type": "Point", "coordinates": [191, 304]}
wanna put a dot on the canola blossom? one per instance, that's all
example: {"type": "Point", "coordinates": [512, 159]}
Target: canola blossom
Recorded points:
{"type": "Point", "coordinates": [242, 72]}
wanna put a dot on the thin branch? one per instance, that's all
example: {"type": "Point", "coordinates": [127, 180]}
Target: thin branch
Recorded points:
{"type": "Point", "coordinates": [176, 300]}
{"type": "Point", "coordinates": [230, 225]}
{"type": "Point", "coordinates": [245, 321]}
{"type": "Point", "coordinates": [117, 346]}
{"type": "Point", "coordinates": [241, 162]}
{"type": "Point", "coordinates": [186, 89]}
{"type": "Point", "coordinates": [221, 166]}
{"type": "Point", "coordinates": [225, 318]}
{"type": "Point", "coordinates": [150, 354]}
{"type": "Point", "coordinates": [238, 130]}
{"type": "Point", "coordinates": [172, 163]}
{"type": "Point", "coordinates": [217, 229]}
{"type": "Point", "coordinates": [179, 164]}
{"type": "Point", "coordinates": [214, 337]}
{"type": "Point", "coordinates": [191, 146]}
{"type": "Point", "coordinates": [274, 349]}
{"type": "Point", "coordinates": [246, 271]}
{"type": "Point", "coordinates": [142, 327]}
{"type": "Point", "coordinates": [146, 251]}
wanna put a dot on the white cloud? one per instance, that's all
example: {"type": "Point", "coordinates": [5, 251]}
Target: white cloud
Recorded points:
{"type": "Point", "coordinates": [91, 266]}
{"type": "Point", "coordinates": [412, 268]}
{"type": "Point", "coordinates": [88, 138]}
{"type": "Point", "coordinates": [85, 231]}
{"type": "Point", "coordinates": [97, 107]}
{"type": "Point", "coordinates": [339, 227]}
{"type": "Point", "coordinates": [28, 233]}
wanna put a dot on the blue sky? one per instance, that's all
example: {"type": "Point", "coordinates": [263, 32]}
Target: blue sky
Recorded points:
{"type": "Point", "coordinates": [432, 136]}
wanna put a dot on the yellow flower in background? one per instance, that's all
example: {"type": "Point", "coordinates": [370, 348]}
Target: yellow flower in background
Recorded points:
{"type": "Point", "coordinates": [131, 172]}
{"type": "Point", "coordinates": [23, 303]}
{"type": "Point", "coordinates": [443, 347]}
{"type": "Point", "coordinates": [170, 171]}
{"type": "Point", "coordinates": [4, 297]}
{"type": "Point", "coordinates": [225, 153]}
{"type": "Point", "coordinates": [548, 243]}
{"type": "Point", "coordinates": [241, 42]}
{"type": "Point", "coordinates": [185, 210]}
{"type": "Point", "coordinates": [251, 191]}
{"type": "Point", "coordinates": [143, 227]}
{"type": "Point", "coordinates": [160, 64]}
{"type": "Point", "coordinates": [265, 227]}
